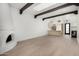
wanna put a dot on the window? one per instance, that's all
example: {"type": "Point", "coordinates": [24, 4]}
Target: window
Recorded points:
{"type": "Point", "coordinates": [67, 28]}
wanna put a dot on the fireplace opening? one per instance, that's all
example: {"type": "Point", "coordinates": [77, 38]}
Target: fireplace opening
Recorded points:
{"type": "Point", "coordinates": [9, 38]}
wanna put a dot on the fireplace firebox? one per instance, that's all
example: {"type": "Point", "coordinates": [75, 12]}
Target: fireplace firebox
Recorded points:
{"type": "Point", "coordinates": [9, 38]}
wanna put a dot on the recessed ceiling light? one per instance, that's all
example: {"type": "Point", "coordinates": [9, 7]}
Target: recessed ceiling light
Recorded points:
{"type": "Point", "coordinates": [42, 6]}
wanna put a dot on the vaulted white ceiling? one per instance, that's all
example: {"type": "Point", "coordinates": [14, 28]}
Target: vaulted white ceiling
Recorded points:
{"type": "Point", "coordinates": [32, 10]}
{"type": "Point", "coordinates": [17, 5]}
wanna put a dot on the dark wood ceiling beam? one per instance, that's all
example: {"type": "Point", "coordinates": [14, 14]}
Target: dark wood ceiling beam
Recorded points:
{"type": "Point", "coordinates": [57, 8]}
{"type": "Point", "coordinates": [25, 7]}
{"type": "Point", "coordinates": [72, 12]}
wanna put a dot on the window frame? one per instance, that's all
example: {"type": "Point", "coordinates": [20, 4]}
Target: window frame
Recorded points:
{"type": "Point", "coordinates": [66, 29]}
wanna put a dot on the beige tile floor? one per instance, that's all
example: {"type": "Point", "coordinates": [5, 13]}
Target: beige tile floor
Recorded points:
{"type": "Point", "coordinates": [46, 46]}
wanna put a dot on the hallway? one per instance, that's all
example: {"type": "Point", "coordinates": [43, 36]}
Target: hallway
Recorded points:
{"type": "Point", "coordinates": [45, 46]}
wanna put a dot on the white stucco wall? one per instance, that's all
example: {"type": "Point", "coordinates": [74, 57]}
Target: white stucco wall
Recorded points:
{"type": "Point", "coordinates": [26, 27]}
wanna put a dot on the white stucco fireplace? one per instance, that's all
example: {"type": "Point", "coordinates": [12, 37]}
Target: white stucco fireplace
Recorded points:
{"type": "Point", "coordinates": [7, 37]}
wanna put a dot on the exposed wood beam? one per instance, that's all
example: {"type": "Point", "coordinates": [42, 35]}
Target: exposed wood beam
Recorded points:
{"type": "Point", "coordinates": [72, 12]}
{"type": "Point", "coordinates": [57, 8]}
{"type": "Point", "coordinates": [25, 7]}
{"type": "Point", "coordinates": [77, 4]}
